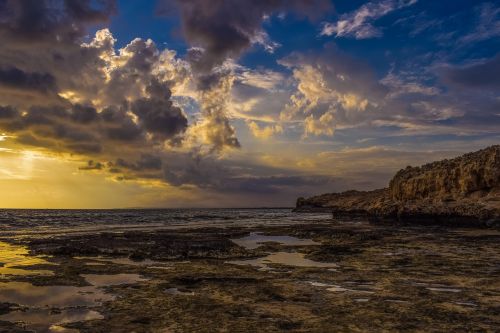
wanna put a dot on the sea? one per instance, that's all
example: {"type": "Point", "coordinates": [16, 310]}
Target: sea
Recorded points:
{"type": "Point", "coordinates": [40, 222]}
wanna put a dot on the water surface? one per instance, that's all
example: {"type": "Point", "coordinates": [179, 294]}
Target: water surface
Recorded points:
{"type": "Point", "coordinates": [256, 239]}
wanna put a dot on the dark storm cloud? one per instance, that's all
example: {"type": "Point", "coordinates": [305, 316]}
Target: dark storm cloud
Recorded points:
{"type": "Point", "coordinates": [7, 112]}
{"type": "Point", "coordinates": [274, 184]}
{"type": "Point", "coordinates": [84, 114]}
{"type": "Point", "coordinates": [226, 28]}
{"type": "Point", "coordinates": [226, 176]}
{"type": "Point", "coordinates": [15, 78]}
{"type": "Point", "coordinates": [53, 127]}
{"type": "Point", "coordinates": [159, 117]}
{"type": "Point", "coordinates": [485, 75]}
{"type": "Point", "coordinates": [38, 21]}
{"type": "Point", "coordinates": [76, 129]}
{"type": "Point", "coordinates": [119, 126]}
{"type": "Point", "coordinates": [145, 162]}
{"type": "Point", "coordinates": [91, 165]}
{"type": "Point", "coordinates": [157, 114]}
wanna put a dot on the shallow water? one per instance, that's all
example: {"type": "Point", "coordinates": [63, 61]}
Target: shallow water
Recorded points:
{"type": "Point", "coordinates": [255, 239]}
{"type": "Point", "coordinates": [122, 261]}
{"type": "Point", "coordinates": [175, 291]}
{"type": "Point", "coordinates": [26, 294]}
{"type": "Point", "coordinates": [439, 287]}
{"type": "Point", "coordinates": [49, 307]}
{"type": "Point", "coordinates": [449, 290]}
{"type": "Point", "coordinates": [99, 280]}
{"type": "Point", "coordinates": [14, 257]}
{"type": "Point", "coordinates": [360, 288]}
{"type": "Point", "coordinates": [284, 258]}
{"type": "Point", "coordinates": [46, 320]}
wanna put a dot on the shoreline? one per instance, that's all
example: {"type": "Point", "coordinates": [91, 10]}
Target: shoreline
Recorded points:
{"type": "Point", "coordinates": [464, 190]}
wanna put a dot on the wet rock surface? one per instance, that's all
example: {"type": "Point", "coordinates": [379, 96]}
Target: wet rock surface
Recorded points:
{"type": "Point", "coordinates": [461, 191]}
{"type": "Point", "coordinates": [381, 278]}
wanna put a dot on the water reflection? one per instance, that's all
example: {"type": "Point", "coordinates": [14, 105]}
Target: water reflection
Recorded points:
{"type": "Point", "coordinates": [121, 261]}
{"type": "Point", "coordinates": [48, 308]}
{"type": "Point", "coordinates": [24, 293]}
{"type": "Point", "coordinates": [175, 291]}
{"type": "Point", "coordinates": [255, 239]}
{"type": "Point", "coordinates": [14, 257]}
{"type": "Point", "coordinates": [283, 258]}
{"type": "Point", "coordinates": [360, 288]}
{"type": "Point", "coordinates": [98, 280]}
{"type": "Point", "coordinates": [45, 320]}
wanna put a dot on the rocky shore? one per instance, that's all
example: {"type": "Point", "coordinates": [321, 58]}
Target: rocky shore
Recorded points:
{"type": "Point", "coordinates": [463, 190]}
{"type": "Point", "coordinates": [317, 277]}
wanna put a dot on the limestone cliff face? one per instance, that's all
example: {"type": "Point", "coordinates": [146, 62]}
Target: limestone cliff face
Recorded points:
{"type": "Point", "coordinates": [474, 174]}
{"type": "Point", "coordinates": [466, 188]}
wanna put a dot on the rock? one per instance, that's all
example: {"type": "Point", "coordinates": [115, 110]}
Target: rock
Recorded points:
{"type": "Point", "coordinates": [461, 190]}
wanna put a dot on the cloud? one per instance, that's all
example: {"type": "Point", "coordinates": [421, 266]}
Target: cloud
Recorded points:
{"type": "Point", "coordinates": [220, 32]}
{"type": "Point", "coordinates": [483, 75]}
{"type": "Point", "coordinates": [335, 92]}
{"type": "Point", "coordinates": [114, 108]}
{"type": "Point", "coordinates": [259, 94]}
{"type": "Point", "coordinates": [160, 117]}
{"type": "Point", "coordinates": [98, 102]}
{"type": "Point", "coordinates": [91, 165]}
{"type": "Point", "coordinates": [48, 21]}
{"type": "Point", "coordinates": [14, 78]}
{"type": "Point", "coordinates": [400, 86]}
{"type": "Point", "coordinates": [7, 112]}
{"type": "Point", "coordinates": [322, 126]}
{"type": "Point", "coordinates": [225, 29]}
{"type": "Point", "coordinates": [214, 128]}
{"type": "Point", "coordinates": [359, 23]}
{"type": "Point", "coordinates": [487, 24]}
{"type": "Point", "coordinates": [332, 89]}
{"type": "Point", "coordinates": [264, 132]}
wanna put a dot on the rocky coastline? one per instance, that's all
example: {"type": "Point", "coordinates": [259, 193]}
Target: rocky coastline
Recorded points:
{"type": "Point", "coordinates": [460, 191]}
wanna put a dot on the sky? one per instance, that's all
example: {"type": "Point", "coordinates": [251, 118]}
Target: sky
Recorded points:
{"type": "Point", "coordinates": [236, 103]}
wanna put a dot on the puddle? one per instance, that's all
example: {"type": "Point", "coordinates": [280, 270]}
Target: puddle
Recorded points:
{"type": "Point", "coordinates": [50, 307]}
{"type": "Point", "coordinates": [448, 290]}
{"type": "Point", "coordinates": [14, 257]}
{"type": "Point", "coordinates": [45, 320]}
{"type": "Point", "coordinates": [396, 301]}
{"type": "Point", "coordinates": [175, 291]}
{"type": "Point", "coordinates": [337, 288]}
{"type": "Point", "coordinates": [438, 287]}
{"type": "Point", "coordinates": [283, 258]}
{"type": "Point", "coordinates": [361, 300]}
{"type": "Point", "coordinates": [329, 287]}
{"type": "Point", "coordinates": [466, 304]}
{"type": "Point", "coordinates": [121, 261]}
{"type": "Point", "coordinates": [99, 280]}
{"type": "Point", "coordinates": [255, 239]}
{"type": "Point", "coordinates": [24, 293]}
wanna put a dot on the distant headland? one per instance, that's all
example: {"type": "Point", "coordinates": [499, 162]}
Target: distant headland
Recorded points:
{"type": "Point", "coordinates": [463, 190]}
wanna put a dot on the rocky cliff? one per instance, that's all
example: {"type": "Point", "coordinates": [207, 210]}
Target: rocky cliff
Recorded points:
{"type": "Point", "coordinates": [464, 189]}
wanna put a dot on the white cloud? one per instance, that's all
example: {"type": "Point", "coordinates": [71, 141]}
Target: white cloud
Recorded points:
{"type": "Point", "coordinates": [359, 23]}
{"type": "Point", "coordinates": [325, 125]}
{"type": "Point", "coordinates": [488, 24]}
{"type": "Point", "coordinates": [263, 39]}
{"type": "Point", "coordinates": [264, 132]}
{"type": "Point", "coordinates": [400, 86]}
